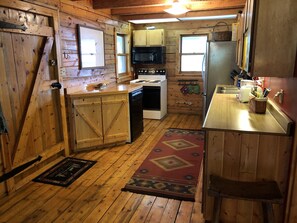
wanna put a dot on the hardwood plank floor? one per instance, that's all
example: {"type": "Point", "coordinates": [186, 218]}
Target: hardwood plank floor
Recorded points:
{"type": "Point", "coordinates": [97, 197]}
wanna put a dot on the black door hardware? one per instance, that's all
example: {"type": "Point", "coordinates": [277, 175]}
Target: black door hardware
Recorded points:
{"type": "Point", "coordinates": [8, 25]}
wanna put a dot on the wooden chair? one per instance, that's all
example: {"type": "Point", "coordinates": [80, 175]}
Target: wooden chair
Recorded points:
{"type": "Point", "coordinates": [266, 192]}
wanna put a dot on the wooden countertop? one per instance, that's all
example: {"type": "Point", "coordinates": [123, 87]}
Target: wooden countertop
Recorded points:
{"type": "Point", "coordinates": [227, 113]}
{"type": "Point", "coordinates": [112, 89]}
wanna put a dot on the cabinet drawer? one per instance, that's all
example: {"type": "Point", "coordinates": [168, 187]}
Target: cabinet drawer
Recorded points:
{"type": "Point", "coordinates": [115, 98]}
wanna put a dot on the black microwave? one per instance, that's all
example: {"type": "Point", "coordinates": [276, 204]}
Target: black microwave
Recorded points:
{"type": "Point", "coordinates": [148, 55]}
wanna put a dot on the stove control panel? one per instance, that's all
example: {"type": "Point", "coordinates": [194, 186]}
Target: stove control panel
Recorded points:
{"type": "Point", "coordinates": [151, 71]}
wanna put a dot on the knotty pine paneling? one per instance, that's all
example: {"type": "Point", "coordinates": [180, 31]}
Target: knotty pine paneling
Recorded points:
{"type": "Point", "coordinates": [182, 103]}
{"type": "Point", "coordinates": [247, 157]}
{"type": "Point", "coordinates": [84, 9]}
{"type": "Point", "coordinates": [47, 3]}
{"type": "Point", "coordinates": [69, 45]}
{"type": "Point", "coordinates": [23, 17]}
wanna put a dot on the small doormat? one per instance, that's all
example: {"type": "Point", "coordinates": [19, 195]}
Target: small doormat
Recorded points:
{"type": "Point", "coordinates": [172, 168]}
{"type": "Point", "coordinates": [65, 172]}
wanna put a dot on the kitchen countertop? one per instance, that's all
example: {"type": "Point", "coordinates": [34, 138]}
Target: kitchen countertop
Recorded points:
{"type": "Point", "coordinates": [227, 113]}
{"type": "Point", "coordinates": [108, 90]}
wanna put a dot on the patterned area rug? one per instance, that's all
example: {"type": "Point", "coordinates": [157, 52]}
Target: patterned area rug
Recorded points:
{"type": "Point", "coordinates": [172, 168]}
{"type": "Point", "coordinates": [65, 172]}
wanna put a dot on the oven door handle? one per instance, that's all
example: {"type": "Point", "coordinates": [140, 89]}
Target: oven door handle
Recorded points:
{"type": "Point", "coordinates": [135, 93]}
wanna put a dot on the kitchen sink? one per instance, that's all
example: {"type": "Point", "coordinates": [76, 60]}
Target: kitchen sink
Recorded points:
{"type": "Point", "coordinates": [227, 90]}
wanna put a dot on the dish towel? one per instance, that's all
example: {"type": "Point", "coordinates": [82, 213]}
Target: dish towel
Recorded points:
{"type": "Point", "coordinates": [3, 125]}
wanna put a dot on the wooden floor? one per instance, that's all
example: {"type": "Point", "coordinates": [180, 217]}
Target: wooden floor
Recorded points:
{"type": "Point", "coordinates": [97, 197]}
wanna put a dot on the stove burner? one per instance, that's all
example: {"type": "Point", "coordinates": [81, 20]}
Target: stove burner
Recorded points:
{"type": "Point", "coordinates": [140, 81]}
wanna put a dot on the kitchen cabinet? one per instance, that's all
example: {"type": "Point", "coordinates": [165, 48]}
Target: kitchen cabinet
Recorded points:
{"type": "Point", "coordinates": [240, 38]}
{"type": "Point", "coordinates": [269, 38]}
{"type": "Point", "coordinates": [115, 118]}
{"type": "Point", "coordinates": [154, 37]}
{"type": "Point", "coordinates": [98, 120]}
{"type": "Point", "coordinates": [245, 146]}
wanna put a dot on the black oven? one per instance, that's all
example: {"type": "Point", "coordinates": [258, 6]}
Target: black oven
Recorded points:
{"type": "Point", "coordinates": [152, 98]}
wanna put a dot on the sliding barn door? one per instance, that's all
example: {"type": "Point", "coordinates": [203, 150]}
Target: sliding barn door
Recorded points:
{"type": "Point", "coordinates": [30, 94]}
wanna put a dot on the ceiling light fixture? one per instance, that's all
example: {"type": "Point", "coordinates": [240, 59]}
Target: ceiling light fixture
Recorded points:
{"type": "Point", "coordinates": [146, 21]}
{"type": "Point", "coordinates": [177, 8]}
{"type": "Point", "coordinates": [232, 16]}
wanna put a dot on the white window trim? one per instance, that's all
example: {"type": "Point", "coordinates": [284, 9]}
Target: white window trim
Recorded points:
{"type": "Point", "coordinates": [120, 77]}
{"type": "Point", "coordinates": [188, 73]}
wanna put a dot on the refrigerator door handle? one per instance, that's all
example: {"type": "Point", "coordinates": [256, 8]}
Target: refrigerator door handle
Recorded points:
{"type": "Point", "coordinates": [203, 66]}
{"type": "Point", "coordinates": [203, 74]}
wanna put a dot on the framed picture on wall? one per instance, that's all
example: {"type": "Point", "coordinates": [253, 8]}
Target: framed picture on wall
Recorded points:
{"type": "Point", "coordinates": [91, 47]}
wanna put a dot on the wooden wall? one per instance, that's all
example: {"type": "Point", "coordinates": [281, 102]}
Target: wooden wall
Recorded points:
{"type": "Point", "coordinates": [247, 157]}
{"type": "Point", "coordinates": [33, 110]}
{"type": "Point", "coordinates": [289, 106]}
{"type": "Point", "coordinates": [71, 15]}
{"type": "Point", "coordinates": [177, 101]}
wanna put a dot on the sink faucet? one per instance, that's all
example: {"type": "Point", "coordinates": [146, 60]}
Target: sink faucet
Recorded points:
{"type": "Point", "coordinates": [280, 95]}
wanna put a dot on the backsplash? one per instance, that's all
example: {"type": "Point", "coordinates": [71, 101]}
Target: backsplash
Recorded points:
{"type": "Point", "coordinates": [289, 105]}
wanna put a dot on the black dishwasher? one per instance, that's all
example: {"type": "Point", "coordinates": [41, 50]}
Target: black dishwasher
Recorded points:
{"type": "Point", "coordinates": [136, 113]}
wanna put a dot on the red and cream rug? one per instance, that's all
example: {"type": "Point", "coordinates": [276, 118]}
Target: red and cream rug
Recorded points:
{"type": "Point", "coordinates": [172, 168]}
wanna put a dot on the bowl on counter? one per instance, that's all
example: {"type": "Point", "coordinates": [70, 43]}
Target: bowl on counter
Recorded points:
{"type": "Point", "coordinates": [96, 86]}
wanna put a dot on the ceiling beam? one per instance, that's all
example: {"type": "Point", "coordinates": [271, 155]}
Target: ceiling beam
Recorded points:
{"type": "Point", "coordinates": [140, 10]}
{"type": "Point", "coordinates": [102, 4]}
{"type": "Point", "coordinates": [194, 6]}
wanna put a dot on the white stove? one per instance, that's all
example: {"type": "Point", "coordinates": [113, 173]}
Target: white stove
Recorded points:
{"type": "Point", "coordinates": [154, 84]}
{"type": "Point", "coordinates": [143, 81]}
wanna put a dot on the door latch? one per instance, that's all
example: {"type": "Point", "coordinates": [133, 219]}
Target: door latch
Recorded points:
{"type": "Point", "coordinates": [56, 85]}
{"type": "Point", "coordinates": [8, 25]}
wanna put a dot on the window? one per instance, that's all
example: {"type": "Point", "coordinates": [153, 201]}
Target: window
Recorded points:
{"type": "Point", "coordinates": [122, 55]}
{"type": "Point", "coordinates": [193, 48]}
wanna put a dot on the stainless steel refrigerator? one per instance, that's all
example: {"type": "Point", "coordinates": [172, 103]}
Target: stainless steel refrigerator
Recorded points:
{"type": "Point", "coordinates": [218, 63]}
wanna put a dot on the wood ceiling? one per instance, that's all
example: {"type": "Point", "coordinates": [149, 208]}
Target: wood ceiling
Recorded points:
{"type": "Point", "coordinates": [148, 9]}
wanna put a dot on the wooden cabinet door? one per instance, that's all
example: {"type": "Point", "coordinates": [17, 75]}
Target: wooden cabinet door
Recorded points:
{"type": "Point", "coordinates": [148, 37]}
{"type": "Point", "coordinates": [155, 37]}
{"type": "Point", "coordinates": [115, 118]}
{"type": "Point", "coordinates": [139, 38]}
{"type": "Point", "coordinates": [269, 39]}
{"type": "Point", "coordinates": [275, 38]}
{"type": "Point", "coordinates": [240, 31]}
{"type": "Point", "coordinates": [247, 35]}
{"type": "Point", "coordinates": [87, 122]}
